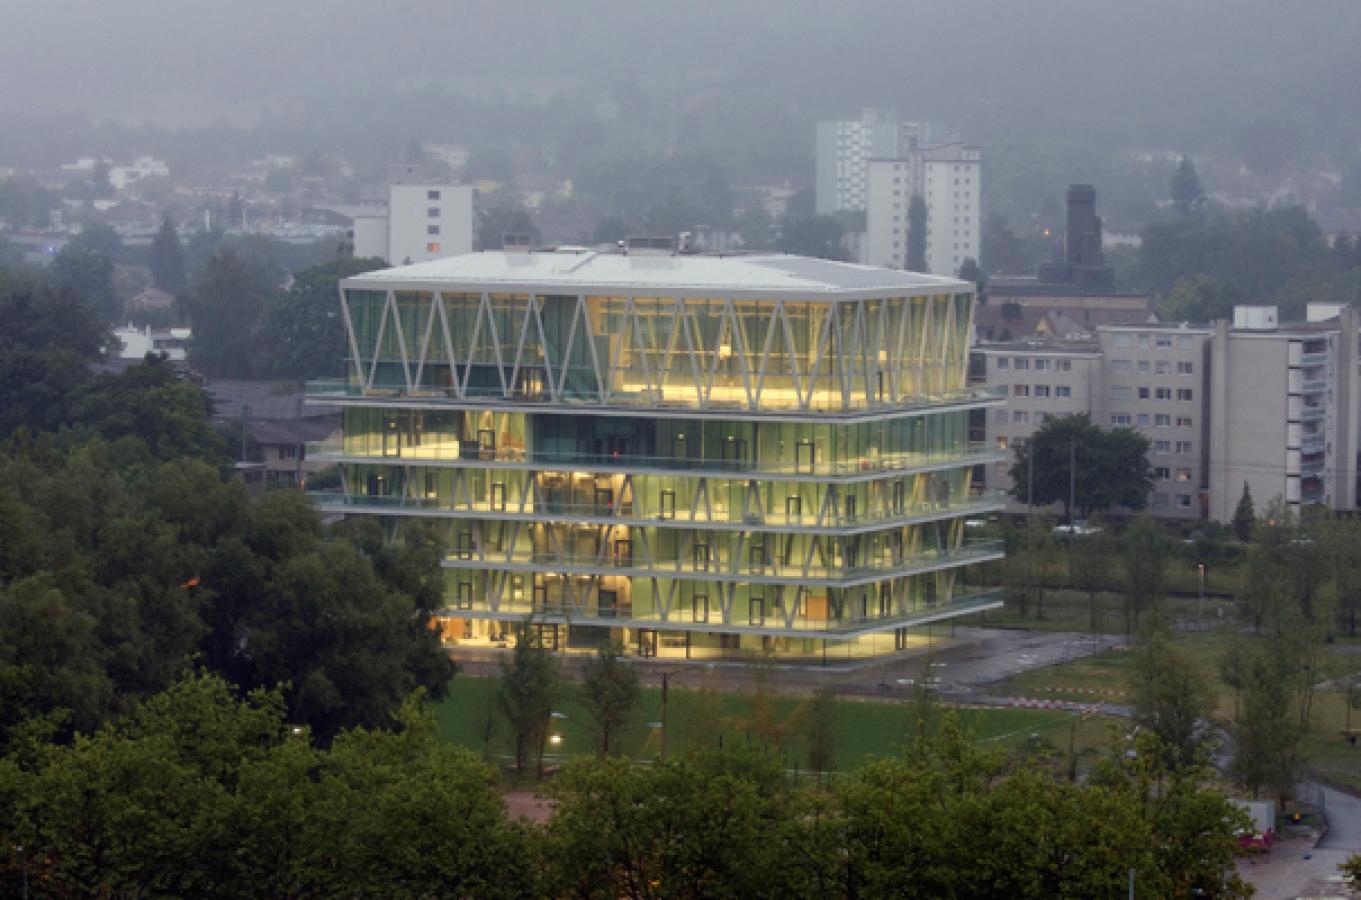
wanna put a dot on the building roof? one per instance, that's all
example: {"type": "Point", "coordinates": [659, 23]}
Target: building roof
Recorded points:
{"type": "Point", "coordinates": [1042, 347]}
{"type": "Point", "coordinates": [293, 431]}
{"type": "Point", "coordinates": [578, 270]}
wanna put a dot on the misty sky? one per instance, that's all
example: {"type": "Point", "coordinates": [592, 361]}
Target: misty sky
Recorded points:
{"type": "Point", "coordinates": [973, 64]}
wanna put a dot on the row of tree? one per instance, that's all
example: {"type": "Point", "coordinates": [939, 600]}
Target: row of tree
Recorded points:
{"type": "Point", "coordinates": [201, 791]}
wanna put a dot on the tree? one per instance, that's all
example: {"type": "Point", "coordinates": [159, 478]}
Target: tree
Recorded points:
{"type": "Point", "coordinates": [610, 230]}
{"type": "Point", "coordinates": [1143, 554]}
{"type": "Point", "coordinates": [1170, 698]}
{"type": "Point", "coordinates": [166, 259]}
{"type": "Point", "coordinates": [501, 221]}
{"type": "Point", "coordinates": [817, 235]}
{"type": "Point", "coordinates": [1200, 299]}
{"type": "Point", "coordinates": [529, 685]}
{"type": "Point", "coordinates": [916, 233]}
{"type": "Point", "coordinates": [969, 270]}
{"type": "Point", "coordinates": [85, 266]}
{"type": "Point", "coordinates": [1235, 670]}
{"type": "Point", "coordinates": [1244, 516]}
{"type": "Point", "coordinates": [1112, 466]}
{"type": "Point", "coordinates": [1340, 539]}
{"type": "Point", "coordinates": [302, 334]}
{"type": "Point", "coordinates": [225, 303]}
{"type": "Point", "coordinates": [1268, 753]}
{"type": "Point", "coordinates": [1089, 566]}
{"type": "Point", "coordinates": [610, 693]}
{"type": "Point", "coordinates": [1187, 196]}
{"type": "Point", "coordinates": [820, 731]}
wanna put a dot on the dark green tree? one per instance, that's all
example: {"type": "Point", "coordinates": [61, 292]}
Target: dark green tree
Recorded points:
{"type": "Point", "coordinates": [969, 270]}
{"type": "Point", "coordinates": [225, 304]}
{"type": "Point", "coordinates": [917, 216]}
{"type": "Point", "coordinates": [1143, 556]}
{"type": "Point", "coordinates": [1187, 196]}
{"type": "Point", "coordinates": [610, 230]}
{"type": "Point", "coordinates": [610, 694]}
{"type": "Point", "coordinates": [302, 334]}
{"type": "Point", "coordinates": [1244, 516]}
{"type": "Point", "coordinates": [166, 259]}
{"type": "Point", "coordinates": [529, 686]}
{"type": "Point", "coordinates": [1112, 466]}
{"type": "Point", "coordinates": [1171, 698]}
{"type": "Point", "coordinates": [154, 402]}
{"type": "Point", "coordinates": [821, 731]}
{"type": "Point", "coordinates": [499, 222]}
{"type": "Point", "coordinates": [817, 235]}
{"type": "Point", "coordinates": [85, 266]}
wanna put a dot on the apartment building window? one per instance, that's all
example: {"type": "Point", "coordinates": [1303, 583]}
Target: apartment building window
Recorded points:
{"type": "Point", "coordinates": [1185, 368]}
{"type": "Point", "coordinates": [1143, 393]}
{"type": "Point", "coordinates": [1184, 447]}
{"type": "Point", "coordinates": [1184, 422]}
{"type": "Point", "coordinates": [1163, 342]}
{"type": "Point", "coordinates": [1183, 501]}
{"type": "Point", "coordinates": [1162, 367]}
{"type": "Point", "coordinates": [1162, 446]}
{"type": "Point", "coordinates": [1065, 365]}
{"type": "Point", "coordinates": [1164, 394]}
{"type": "Point", "coordinates": [1021, 417]}
{"type": "Point", "coordinates": [1003, 363]}
{"type": "Point", "coordinates": [1041, 365]}
{"type": "Point", "coordinates": [1184, 395]}
{"type": "Point", "coordinates": [1002, 417]}
{"type": "Point", "coordinates": [1021, 363]}
{"type": "Point", "coordinates": [432, 229]}
{"type": "Point", "coordinates": [1120, 392]}
{"type": "Point", "coordinates": [1143, 367]}
{"type": "Point", "coordinates": [1160, 501]}
{"type": "Point", "coordinates": [1063, 390]}
{"type": "Point", "coordinates": [1001, 442]}
{"type": "Point", "coordinates": [1122, 341]}
{"type": "Point", "coordinates": [1041, 390]}
{"type": "Point", "coordinates": [1120, 365]}
{"type": "Point", "coordinates": [1162, 473]}
{"type": "Point", "coordinates": [432, 195]}
{"type": "Point", "coordinates": [1020, 390]}
{"type": "Point", "coordinates": [1183, 474]}
{"type": "Point", "coordinates": [1121, 419]}
{"type": "Point", "coordinates": [432, 248]}
{"type": "Point", "coordinates": [432, 212]}
{"type": "Point", "coordinates": [1162, 421]}
{"type": "Point", "coordinates": [1142, 420]}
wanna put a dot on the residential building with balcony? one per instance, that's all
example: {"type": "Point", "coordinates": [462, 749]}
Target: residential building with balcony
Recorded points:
{"type": "Point", "coordinates": [699, 457]}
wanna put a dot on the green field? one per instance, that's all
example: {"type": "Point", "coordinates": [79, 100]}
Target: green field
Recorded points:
{"type": "Point", "coordinates": [865, 729]}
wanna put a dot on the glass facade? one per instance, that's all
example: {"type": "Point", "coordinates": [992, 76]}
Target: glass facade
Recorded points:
{"type": "Point", "coordinates": [695, 476]}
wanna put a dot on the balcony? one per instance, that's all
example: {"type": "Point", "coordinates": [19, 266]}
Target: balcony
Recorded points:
{"type": "Point", "coordinates": [1311, 466]}
{"type": "Point", "coordinates": [1312, 443]}
{"type": "Point", "coordinates": [434, 451]}
{"type": "Point", "coordinates": [1313, 413]}
{"type": "Point", "coordinates": [632, 515]}
{"type": "Point", "coordinates": [777, 622]}
{"type": "Point", "coordinates": [786, 405]}
{"type": "Point", "coordinates": [1314, 358]}
{"type": "Point", "coordinates": [1314, 386]}
{"type": "Point", "coordinates": [699, 569]}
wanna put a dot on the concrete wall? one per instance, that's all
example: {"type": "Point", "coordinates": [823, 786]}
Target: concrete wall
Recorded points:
{"type": "Point", "coordinates": [429, 221]}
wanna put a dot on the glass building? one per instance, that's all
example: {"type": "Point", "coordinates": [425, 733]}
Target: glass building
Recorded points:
{"type": "Point", "coordinates": [698, 456]}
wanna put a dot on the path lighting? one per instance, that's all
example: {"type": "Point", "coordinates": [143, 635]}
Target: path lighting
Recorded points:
{"type": "Point", "coordinates": [555, 739]}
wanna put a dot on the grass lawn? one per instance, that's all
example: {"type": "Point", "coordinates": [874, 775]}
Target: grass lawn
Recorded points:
{"type": "Point", "coordinates": [865, 730]}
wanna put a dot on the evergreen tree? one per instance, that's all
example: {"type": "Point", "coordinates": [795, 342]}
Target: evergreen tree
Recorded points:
{"type": "Point", "coordinates": [916, 234]}
{"type": "Point", "coordinates": [610, 694]}
{"type": "Point", "coordinates": [529, 683]}
{"type": "Point", "coordinates": [167, 259]}
{"type": "Point", "coordinates": [1187, 195]}
{"type": "Point", "coordinates": [1244, 515]}
{"type": "Point", "coordinates": [971, 271]}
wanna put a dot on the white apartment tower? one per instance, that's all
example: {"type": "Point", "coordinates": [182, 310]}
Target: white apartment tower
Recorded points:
{"type": "Point", "coordinates": [425, 220]}
{"type": "Point", "coordinates": [948, 178]}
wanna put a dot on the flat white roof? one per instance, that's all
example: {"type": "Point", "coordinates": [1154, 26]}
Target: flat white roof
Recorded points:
{"type": "Point", "coordinates": [592, 271]}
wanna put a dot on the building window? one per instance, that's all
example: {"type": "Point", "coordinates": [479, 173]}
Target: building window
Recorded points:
{"type": "Point", "coordinates": [1183, 446]}
{"type": "Point", "coordinates": [1162, 446]}
{"type": "Point", "coordinates": [1164, 394]}
{"type": "Point", "coordinates": [1020, 416]}
{"type": "Point", "coordinates": [1143, 393]}
{"type": "Point", "coordinates": [432, 212]}
{"type": "Point", "coordinates": [1041, 365]}
{"type": "Point", "coordinates": [1143, 341]}
{"type": "Point", "coordinates": [1184, 395]}
{"type": "Point", "coordinates": [1065, 365]}
{"type": "Point", "coordinates": [1001, 417]}
{"type": "Point", "coordinates": [1183, 474]}
{"type": "Point", "coordinates": [432, 229]}
{"type": "Point", "coordinates": [1001, 442]}
{"type": "Point", "coordinates": [1162, 421]}
{"type": "Point", "coordinates": [1120, 392]}
{"type": "Point", "coordinates": [1020, 390]}
{"type": "Point", "coordinates": [1183, 501]}
{"type": "Point", "coordinates": [1142, 420]}
{"type": "Point", "coordinates": [1164, 342]}
{"type": "Point", "coordinates": [1160, 501]}
{"type": "Point", "coordinates": [1021, 363]}
{"type": "Point", "coordinates": [1063, 390]}
{"type": "Point", "coordinates": [1185, 368]}
{"type": "Point", "coordinates": [1162, 367]}
{"type": "Point", "coordinates": [432, 195]}
{"type": "Point", "coordinates": [1003, 362]}
{"type": "Point", "coordinates": [1041, 390]}
{"type": "Point", "coordinates": [1184, 422]}
{"type": "Point", "coordinates": [432, 248]}
{"type": "Point", "coordinates": [1120, 365]}
{"type": "Point", "coordinates": [1143, 366]}
{"type": "Point", "coordinates": [1162, 473]}
{"type": "Point", "coordinates": [1120, 420]}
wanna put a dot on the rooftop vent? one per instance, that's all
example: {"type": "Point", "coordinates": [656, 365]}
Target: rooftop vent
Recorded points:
{"type": "Point", "coordinates": [517, 242]}
{"type": "Point", "coordinates": [650, 246]}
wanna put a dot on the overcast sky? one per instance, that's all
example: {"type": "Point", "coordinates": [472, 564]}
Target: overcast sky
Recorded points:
{"type": "Point", "coordinates": [954, 60]}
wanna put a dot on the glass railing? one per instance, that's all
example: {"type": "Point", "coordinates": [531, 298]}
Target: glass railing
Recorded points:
{"type": "Point", "coordinates": [435, 451]}
{"type": "Point", "coordinates": [788, 403]}
{"type": "Point", "coordinates": [637, 515]}
{"type": "Point", "coordinates": [1314, 385]}
{"type": "Point", "coordinates": [1310, 413]}
{"type": "Point", "coordinates": [1314, 358]}
{"type": "Point", "coordinates": [718, 570]}
{"type": "Point", "coordinates": [772, 620]}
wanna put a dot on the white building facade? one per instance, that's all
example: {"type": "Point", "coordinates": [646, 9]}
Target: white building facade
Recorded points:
{"type": "Point", "coordinates": [948, 178]}
{"type": "Point", "coordinates": [425, 220]}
